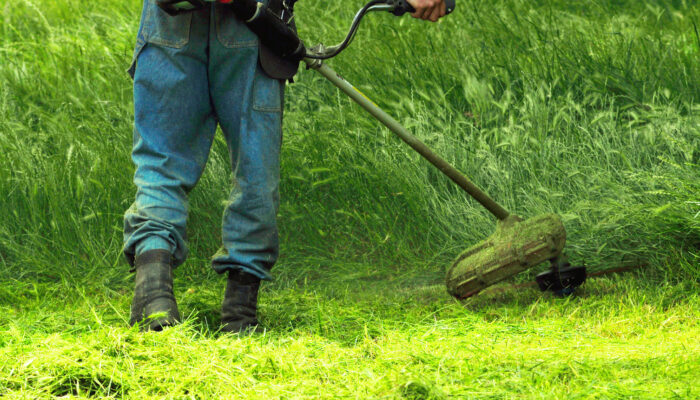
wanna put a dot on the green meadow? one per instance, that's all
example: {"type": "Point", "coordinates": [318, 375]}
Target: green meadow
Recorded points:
{"type": "Point", "coordinates": [588, 109]}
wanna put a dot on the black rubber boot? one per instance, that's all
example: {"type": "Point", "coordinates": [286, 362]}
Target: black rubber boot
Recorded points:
{"type": "Point", "coordinates": [153, 292]}
{"type": "Point", "coordinates": [239, 309]}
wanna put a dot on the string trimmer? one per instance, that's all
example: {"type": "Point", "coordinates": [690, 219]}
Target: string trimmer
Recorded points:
{"type": "Point", "coordinates": [515, 246]}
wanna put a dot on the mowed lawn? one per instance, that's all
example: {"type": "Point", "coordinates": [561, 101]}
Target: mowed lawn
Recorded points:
{"type": "Point", "coordinates": [586, 109]}
{"type": "Point", "coordinates": [619, 338]}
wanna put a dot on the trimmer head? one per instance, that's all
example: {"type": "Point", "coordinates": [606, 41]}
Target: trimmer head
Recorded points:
{"type": "Point", "coordinates": [562, 279]}
{"type": "Point", "coordinates": [516, 245]}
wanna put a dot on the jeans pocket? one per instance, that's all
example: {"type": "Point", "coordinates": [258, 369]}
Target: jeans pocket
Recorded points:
{"type": "Point", "coordinates": [162, 29]}
{"type": "Point", "coordinates": [267, 93]}
{"type": "Point", "coordinates": [140, 44]}
{"type": "Point", "coordinates": [232, 32]}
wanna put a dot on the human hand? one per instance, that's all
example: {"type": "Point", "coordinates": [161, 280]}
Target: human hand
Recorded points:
{"type": "Point", "coordinates": [431, 10]}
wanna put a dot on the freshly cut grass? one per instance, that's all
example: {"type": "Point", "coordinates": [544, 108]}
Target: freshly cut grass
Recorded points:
{"type": "Point", "coordinates": [618, 339]}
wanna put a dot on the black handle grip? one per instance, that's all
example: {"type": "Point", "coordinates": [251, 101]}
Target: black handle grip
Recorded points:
{"type": "Point", "coordinates": [402, 7]}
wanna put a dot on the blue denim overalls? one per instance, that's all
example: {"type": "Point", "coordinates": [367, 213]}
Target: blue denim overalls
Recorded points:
{"type": "Point", "coordinates": [191, 72]}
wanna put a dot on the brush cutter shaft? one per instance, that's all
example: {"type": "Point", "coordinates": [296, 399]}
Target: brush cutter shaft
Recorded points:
{"type": "Point", "coordinates": [445, 167]}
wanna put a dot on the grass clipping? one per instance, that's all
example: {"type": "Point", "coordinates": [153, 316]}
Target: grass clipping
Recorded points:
{"type": "Point", "coordinates": [515, 246]}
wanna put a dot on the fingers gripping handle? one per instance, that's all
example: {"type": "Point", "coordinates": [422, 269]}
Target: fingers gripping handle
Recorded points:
{"type": "Point", "coordinates": [402, 7]}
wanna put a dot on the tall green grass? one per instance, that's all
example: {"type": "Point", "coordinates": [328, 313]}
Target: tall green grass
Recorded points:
{"type": "Point", "coordinates": [589, 110]}
{"type": "Point", "coordinates": [586, 110]}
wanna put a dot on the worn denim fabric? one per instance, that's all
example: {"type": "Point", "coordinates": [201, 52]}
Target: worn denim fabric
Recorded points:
{"type": "Point", "coordinates": [192, 72]}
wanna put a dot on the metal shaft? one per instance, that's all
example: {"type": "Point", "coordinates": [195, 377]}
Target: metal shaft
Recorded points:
{"type": "Point", "coordinates": [425, 151]}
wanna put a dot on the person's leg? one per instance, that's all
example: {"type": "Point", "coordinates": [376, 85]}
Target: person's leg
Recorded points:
{"type": "Point", "coordinates": [174, 129]}
{"type": "Point", "coordinates": [249, 106]}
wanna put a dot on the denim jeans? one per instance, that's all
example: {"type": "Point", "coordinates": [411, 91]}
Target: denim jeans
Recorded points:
{"type": "Point", "coordinates": [192, 72]}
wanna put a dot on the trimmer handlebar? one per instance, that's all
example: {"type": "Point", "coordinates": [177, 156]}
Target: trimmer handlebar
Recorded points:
{"type": "Point", "coordinates": [275, 30]}
{"type": "Point", "coordinates": [174, 7]}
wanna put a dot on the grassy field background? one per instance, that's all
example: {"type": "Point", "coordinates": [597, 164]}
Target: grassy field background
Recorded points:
{"type": "Point", "coordinates": [588, 109]}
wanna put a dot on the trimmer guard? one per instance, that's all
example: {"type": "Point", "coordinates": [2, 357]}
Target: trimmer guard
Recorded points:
{"type": "Point", "coordinates": [515, 246]}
